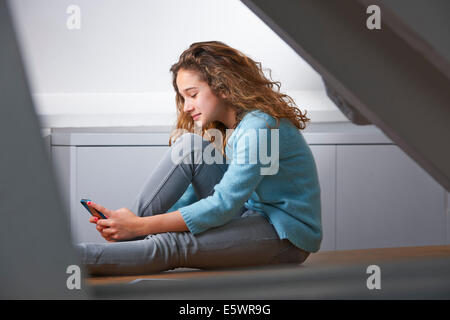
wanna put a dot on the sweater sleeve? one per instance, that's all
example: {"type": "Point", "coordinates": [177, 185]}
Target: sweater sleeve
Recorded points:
{"type": "Point", "coordinates": [236, 186]}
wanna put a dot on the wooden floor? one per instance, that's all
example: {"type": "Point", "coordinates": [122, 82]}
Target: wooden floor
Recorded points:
{"type": "Point", "coordinates": [322, 258]}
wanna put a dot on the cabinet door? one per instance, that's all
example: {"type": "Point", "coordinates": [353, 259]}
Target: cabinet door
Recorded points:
{"type": "Point", "coordinates": [325, 158]}
{"type": "Point", "coordinates": [112, 177]}
{"type": "Point", "coordinates": [384, 199]}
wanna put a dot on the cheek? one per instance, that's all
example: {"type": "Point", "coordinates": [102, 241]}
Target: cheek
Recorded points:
{"type": "Point", "coordinates": [211, 103]}
{"type": "Point", "coordinates": [205, 105]}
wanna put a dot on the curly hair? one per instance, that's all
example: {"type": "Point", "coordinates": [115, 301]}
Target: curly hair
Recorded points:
{"type": "Point", "coordinates": [230, 72]}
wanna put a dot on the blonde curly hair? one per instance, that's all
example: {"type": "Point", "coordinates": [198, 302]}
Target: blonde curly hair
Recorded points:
{"type": "Point", "coordinates": [230, 72]}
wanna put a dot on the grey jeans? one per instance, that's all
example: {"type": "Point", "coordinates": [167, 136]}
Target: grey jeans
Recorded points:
{"type": "Point", "coordinates": [247, 240]}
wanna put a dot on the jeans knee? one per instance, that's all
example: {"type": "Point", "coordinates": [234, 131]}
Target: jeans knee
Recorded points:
{"type": "Point", "coordinates": [188, 148]}
{"type": "Point", "coordinates": [174, 248]}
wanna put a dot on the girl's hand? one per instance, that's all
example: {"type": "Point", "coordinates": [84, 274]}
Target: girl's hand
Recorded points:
{"type": "Point", "coordinates": [122, 224]}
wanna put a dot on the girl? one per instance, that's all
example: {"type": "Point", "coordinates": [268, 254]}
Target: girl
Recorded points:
{"type": "Point", "coordinates": [229, 211]}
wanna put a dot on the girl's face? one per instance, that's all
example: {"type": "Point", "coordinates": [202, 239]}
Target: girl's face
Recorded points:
{"type": "Point", "coordinates": [199, 101]}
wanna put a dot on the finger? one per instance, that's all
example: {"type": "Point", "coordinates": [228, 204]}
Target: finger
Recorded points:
{"type": "Point", "coordinates": [105, 223]}
{"type": "Point", "coordinates": [100, 208]}
{"type": "Point", "coordinates": [109, 232]}
{"type": "Point", "coordinates": [93, 219]}
{"type": "Point", "coordinates": [104, 236]}
{"type": "Point", "coordinates": [109, 239]}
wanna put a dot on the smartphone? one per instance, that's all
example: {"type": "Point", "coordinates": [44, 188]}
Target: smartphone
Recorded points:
{"type": "Point", "coordinates": [92, 211]}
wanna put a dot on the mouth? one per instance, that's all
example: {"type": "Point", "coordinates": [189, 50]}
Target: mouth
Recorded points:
{"type": "Point", "coordinates": [195, 116]}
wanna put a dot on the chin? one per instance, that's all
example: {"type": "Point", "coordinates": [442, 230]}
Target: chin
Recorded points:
{"type": "Point", "coordinates": [201, 121]}
{"type": "Point", "coordinates": [198, 123]}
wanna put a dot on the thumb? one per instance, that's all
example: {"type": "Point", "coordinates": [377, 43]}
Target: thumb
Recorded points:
{"type": "Point", "coordinates": [100, 208]}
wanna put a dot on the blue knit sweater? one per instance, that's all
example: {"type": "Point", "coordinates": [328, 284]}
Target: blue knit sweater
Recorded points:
{"type": "Point", "coordinates": [287, 194]}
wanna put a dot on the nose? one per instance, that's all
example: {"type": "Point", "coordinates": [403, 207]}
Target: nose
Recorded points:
{"type": "Point", "coordinates": [188, 107]}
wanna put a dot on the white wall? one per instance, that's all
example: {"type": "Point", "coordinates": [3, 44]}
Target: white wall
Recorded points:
{"type": "Point", "coordinates": [114, 70]}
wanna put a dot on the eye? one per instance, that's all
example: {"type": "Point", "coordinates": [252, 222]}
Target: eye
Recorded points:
{"type": "Point", "coordinates": [193, 96]}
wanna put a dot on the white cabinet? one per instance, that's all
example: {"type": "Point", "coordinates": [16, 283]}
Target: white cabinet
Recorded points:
{"type": "Point", "coordinates": [325, 158]}
{"type": "Point", "coordinates": [384, 199]}
{"type": "Point", "coordinates": [109, 175]}
{"type": "Point", "coordinates": [373, 195]}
